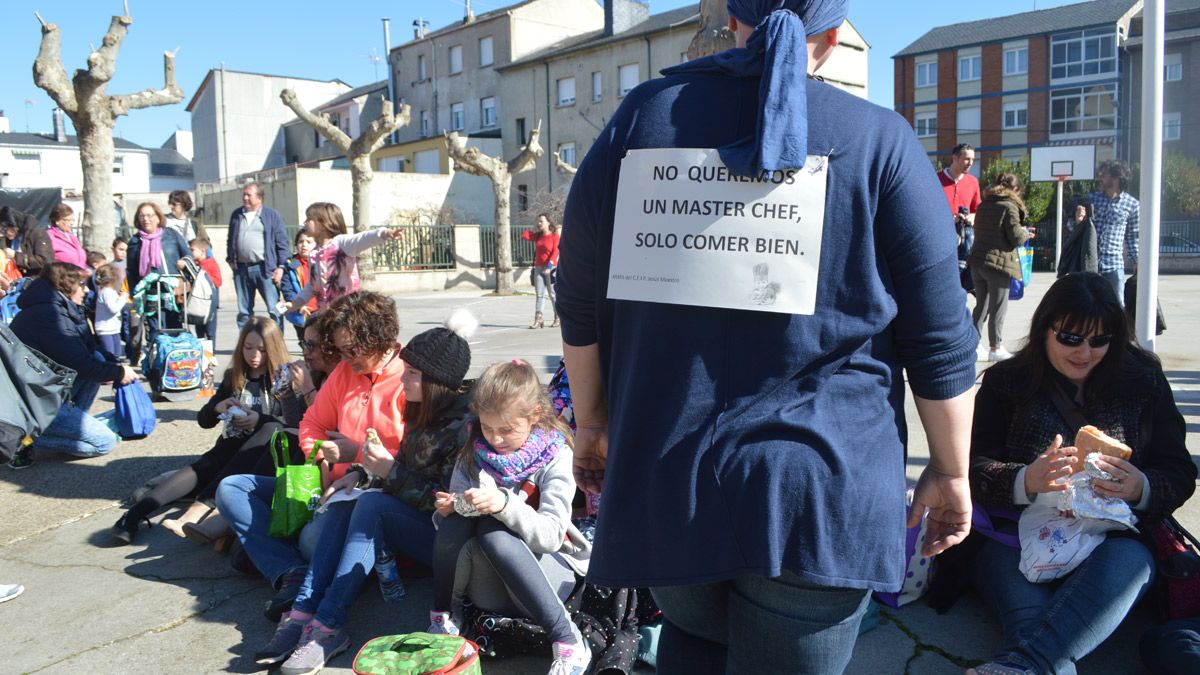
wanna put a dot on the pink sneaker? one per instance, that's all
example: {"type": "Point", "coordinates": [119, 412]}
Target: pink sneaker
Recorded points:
{"type": "Point", "coordinates": [570, 659]}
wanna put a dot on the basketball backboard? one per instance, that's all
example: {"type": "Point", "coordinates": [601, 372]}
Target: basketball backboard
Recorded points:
{"type": "Point", "coordinates": [1071, 162]}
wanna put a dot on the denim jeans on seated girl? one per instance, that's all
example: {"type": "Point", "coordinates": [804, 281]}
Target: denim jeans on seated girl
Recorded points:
{"type": "Point", "coordinates": [74, 431]}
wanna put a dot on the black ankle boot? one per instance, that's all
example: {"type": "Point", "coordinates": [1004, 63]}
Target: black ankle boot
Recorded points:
{"type": "Point", "coordinates": [126, 528]}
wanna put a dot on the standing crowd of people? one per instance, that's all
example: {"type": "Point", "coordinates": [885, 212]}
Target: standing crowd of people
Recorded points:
{"type": "Point", "coordinates": [757, 443]}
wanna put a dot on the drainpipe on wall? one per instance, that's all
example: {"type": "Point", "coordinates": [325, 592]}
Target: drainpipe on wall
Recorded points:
{"type": "Point", "coordinates": [224, 132]}
{"type": "Point", "coordinates": [549, 143]}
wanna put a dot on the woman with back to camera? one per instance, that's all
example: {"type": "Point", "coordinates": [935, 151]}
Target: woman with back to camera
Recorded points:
{"type": "Point", "coordinates": [999, 231]}
{"type": "Point", "coordinates": [1081, 352]}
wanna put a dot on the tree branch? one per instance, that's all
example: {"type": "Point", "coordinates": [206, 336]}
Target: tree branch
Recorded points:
{"type": "Point", "coordinates": [471, 160]}
{"type": "Point", "coordinates": [48, 72]}
{"type": "Point", "coordinates": [527, 158]}
{"type": "Point", "coordinates": [563, 168]}
{"type": "Point", "coordinates": [372, 137]}
{"type": "Point", "coordinates": [170, 93]}
{"type": "Point", "coordinates": [102, 63]}
{"type": "Point", "coordinates": [321, 124]}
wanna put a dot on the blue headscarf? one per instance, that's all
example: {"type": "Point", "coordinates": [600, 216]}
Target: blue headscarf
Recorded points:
{"type": "Point", "coordinates": [776, 53]}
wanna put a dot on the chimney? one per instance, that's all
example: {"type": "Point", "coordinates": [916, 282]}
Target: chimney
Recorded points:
{"type": "Point", "coordinates": [621, 15]}
{"type": "Point", "coordinates": [4, 124]}
{"type": "Point", "coordinates": [469, 17]}
{"type": "Point", "coordinates": [60, 127]}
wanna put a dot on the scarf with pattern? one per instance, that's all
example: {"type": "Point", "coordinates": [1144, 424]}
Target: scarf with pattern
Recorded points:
{"type": "Point", "coordinates": [514, 468]}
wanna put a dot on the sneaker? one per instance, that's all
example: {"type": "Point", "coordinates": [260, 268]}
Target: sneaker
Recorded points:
{"type": "Point", "coordinates": [21, 459]}
{"type": "Point", "coordinates": [570, 659]}
{"type": "Point", "coordinates": [126, 529]}
{"type": "Point", "coordinates": [441, 623]}
{"type": "Point", "coordinates": [999, 354]}
{"type": "Point", "coordinates": [10, 591]}
{"type": "Point", "coordinates": [289, 587]}
{"type": "Point", "coordinates": [316, 649]}
{"type": "Point", "coordinates": [283, 642]}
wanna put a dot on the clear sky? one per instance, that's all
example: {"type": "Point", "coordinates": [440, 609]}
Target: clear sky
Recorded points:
{"type": "Point", "coordinates": [326, 40]}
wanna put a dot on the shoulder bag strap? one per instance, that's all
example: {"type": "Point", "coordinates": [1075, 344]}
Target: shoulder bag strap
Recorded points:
{"type": "Point", "coordinates": [1066, 407]}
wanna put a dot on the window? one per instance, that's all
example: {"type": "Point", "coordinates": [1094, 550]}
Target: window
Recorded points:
{"type": "Point", "coordinates": [424, 123]}
{"type": "Point", "coordinates": [1083, 109]}
{"type": "Point", "coordinates": [970, 68]}
{"type": "Point", "coordinates": [485, 51]}
{"type": "Point", "coordinates": [627, 78]}
{"type": "Point", "coordinates": [1016, 61]}
{"type": "Point", "coordinates": [597, 91]}
{"type": "Point", "coordinates": [426, 161]}
{"type": "Point", "coordinates": [926, 124]}
{"type": "Point", "coordinates": [521, 130]}
{"type": "Point", "coordinates": [1016, 115]}
{"type": "Point", "coordinates": [566, 90]}
{"type": "Point", "coordinates": [422, 71]}
{"type": "Point", "coordinates": [927, 74]}
{"type": "Point", "coordinates": [487, 111]}
{"type": "Point", "coordinates": [456, 59]}
{"type": "Point", "coordinates": [968, 120]}
{"type": "Point", "coordinates": [1173, 68]}
{"type": "Point", "coordinates": [1172, 126]}
{"type": "Point", "coordinates": [1083, 53]}
{"type": "Point", "coordinates": [118, 166]}
{"type": "Point", "coordinates": [522, 197]}
{"type": "Point", "coordinates": [457, 120]}
{"type": "Point", "coordinates": [27, 161]}
{"type": "Point", "coordinates": [566, 152]}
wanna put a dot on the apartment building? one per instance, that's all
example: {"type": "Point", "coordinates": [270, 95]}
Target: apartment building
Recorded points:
{"type": "Point", "coordinates": [351, 112]}
{"type": "Point", "coordinates": [1056, 76]}
{"type": "Point", "coordinates": [1181, 86]}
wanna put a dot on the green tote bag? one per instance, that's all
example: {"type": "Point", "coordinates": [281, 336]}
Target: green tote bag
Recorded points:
{"type": "Point", "coordinates": [297, 489]}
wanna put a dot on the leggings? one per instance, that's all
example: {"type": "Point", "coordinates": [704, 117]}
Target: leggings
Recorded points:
{"type": "Point", "coordinates": [514, 562]}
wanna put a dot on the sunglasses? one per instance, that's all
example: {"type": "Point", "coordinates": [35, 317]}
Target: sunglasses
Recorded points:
{"type": "Point", "coordinates": [1072, 340]}
{"type": "Point", "coordinates": [308, 346]}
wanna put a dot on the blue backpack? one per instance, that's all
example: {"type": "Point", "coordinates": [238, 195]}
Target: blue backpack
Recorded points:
{"type": "Point", "coordinates": [177, 362]}
{"type": "Point", "coordinates": [134, 413]}
{"type": "Point", "coordinates": [8, 304]}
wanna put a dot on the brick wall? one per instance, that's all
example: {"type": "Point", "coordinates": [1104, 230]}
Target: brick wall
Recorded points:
{"type": "Point", "coordinates": [1039, 77]}
{"type": "Point", "coordinates": [904, 83]}
{"type": "Point", "coordinates": [991, 108]}
{"type": "Point", "coordinates": [947, 115]}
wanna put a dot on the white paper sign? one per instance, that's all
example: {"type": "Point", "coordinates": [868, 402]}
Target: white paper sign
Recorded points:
{"type": "Point", "coordinates": [687, 231]}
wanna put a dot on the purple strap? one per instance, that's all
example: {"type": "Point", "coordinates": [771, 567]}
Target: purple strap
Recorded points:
{"type": "Point", "coordinates": [981, 521]}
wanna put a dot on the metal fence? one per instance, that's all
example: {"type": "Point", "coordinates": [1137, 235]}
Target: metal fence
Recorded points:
{"type": "Point", "coordinates": [522, 249]}
{"type": "Point", "coordinates": [421, 247]}
{"type": "Point", "coordinates": [1177, 239]}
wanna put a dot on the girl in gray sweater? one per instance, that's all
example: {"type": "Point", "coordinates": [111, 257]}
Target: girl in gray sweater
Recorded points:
{"type": "Point", "coordinates": [510, 496]}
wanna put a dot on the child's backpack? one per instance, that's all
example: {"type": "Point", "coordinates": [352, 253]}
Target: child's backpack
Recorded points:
{"type": "Point", "coordinates": [176, 365]}
{"type": "Point", "coordinates": [134, 412]}
{"type": "Point", "coordinates": [418, 654]}
{"type": "Point", "coordinates": [199, 301]}
{"type": "Point", "coordinates": [8, 304]}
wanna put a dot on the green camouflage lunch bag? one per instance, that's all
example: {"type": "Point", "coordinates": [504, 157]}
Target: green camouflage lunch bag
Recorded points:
{"type": "Point", "coordinates": [418, 654]}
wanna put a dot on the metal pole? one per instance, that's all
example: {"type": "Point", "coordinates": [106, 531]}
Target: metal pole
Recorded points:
{"type": "Point", "coordinates": [1058, 223]}
{"type": "Point", "coordinates": [1153, 22]}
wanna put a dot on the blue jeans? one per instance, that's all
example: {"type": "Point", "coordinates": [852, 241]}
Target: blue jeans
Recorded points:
{"type": "Point", "coordinates": [1048, 627]}
{"type": "Point", "coordinates": [542, 286]}
{"type": "Point", "coordinates": [1116, 279]}
{"type": "Point", "coordinates": [245, 503]}
{"type": "Point", "coordinates": [345, 553]}
{"type": "Point", "coordinates": [74, 431]}
{"type": "Point", "coordinates": [758, 625]}
{"type": "Point", "coordinates": [248, 279]}
{"type": "Point", "coordinates": [1173, 647]}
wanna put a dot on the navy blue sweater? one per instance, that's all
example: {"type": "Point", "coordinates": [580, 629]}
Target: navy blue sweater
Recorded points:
{"type": "Point", "coordinates": [746, 443]}
{"type": "Point", "coordinates": [56, 327]}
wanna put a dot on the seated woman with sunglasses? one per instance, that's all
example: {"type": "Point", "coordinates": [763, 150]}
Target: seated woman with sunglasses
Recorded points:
{"type": "Point", "coordinates": [1079, 363]}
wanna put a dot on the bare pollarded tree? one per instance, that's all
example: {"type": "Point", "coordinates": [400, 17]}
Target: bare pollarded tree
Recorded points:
{"type": "Point", "coordinates": [714, 34]}
{"type": "Point", "coordinates": [94, 112]}
{"type": "Point", "coordinates": [358, 153]}
{"type": "Point", "coordinates": [474, 162]}
{"type": "Point", "coordinates": [563, 168]}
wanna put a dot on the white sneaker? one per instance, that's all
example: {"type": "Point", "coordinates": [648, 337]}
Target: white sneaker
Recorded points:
{"type": "Point", "coordinates": [999, 354]}
{"type": "Point", "coordinates": [10, 591]}
{"type": "Point", "coordinates": [570, 659]}
{"type": "Point", "coordinates": [981, 353]}
{"type": "Point", "coordinates": [441, 623]}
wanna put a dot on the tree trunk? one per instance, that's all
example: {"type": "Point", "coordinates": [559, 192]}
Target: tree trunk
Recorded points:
{"type": "Point", "coordinates": [504, 265]}
{"type": "Point", "coordinates": [361, 175]}
{"type": "Point", "coordinates": [714, 35]}
{"type": "Point", "coordinates": [96, 156]}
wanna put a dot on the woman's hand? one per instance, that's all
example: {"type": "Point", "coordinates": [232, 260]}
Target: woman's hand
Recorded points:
{"type": "Point", "coordinates": [301, 377]}
{"type": "Point", "coordinates": [128, 375]}
{"type": "Point", "coordinates": [180, 264]}
{"type": "Point", "coordinates": [1049, 471]}
{"type": "Point", "coordinates": [948, 499]}
{"type": "Point", "coordinates": [339, 449]}
{"type": "Point", "coordinates": [246, 422]}
{"type": "Point", "coordinates": [347, 482]}
{"type": "Point", "coordinates": [444, 503]}
{"type": "Point", "coordinates": [1129, 481]}
{"type": "Point", "coordinates": [224, 406]}
{"type": "Point", "coordinates": [486, 500]}
{"type": "Point", "coordinates": [590, 456]}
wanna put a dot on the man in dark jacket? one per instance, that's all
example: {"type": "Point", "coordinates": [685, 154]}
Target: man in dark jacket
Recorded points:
{"type": "Point", "coordinates": [27, 244]}
{"type": "Point", "coordinates": [52, 321]}
{"type": "Point", "coordinates": [257, 252]}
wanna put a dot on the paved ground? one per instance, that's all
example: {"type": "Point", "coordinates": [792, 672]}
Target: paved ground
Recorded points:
{"type": "Point", "coordinates": [166, 606]}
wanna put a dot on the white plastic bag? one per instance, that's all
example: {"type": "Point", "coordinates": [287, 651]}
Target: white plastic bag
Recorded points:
{"type": "Point", "coordinates": [1053, 544]}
